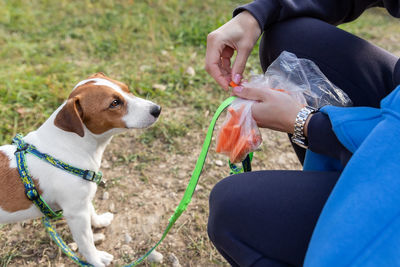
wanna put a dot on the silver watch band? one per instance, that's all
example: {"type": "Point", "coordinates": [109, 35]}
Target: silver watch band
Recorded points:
{"type": "Point", "coordinates": [298, 135]}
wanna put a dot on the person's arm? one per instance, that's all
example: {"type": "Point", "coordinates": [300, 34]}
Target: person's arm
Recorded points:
{"type": "Point", "coordinates": [334, 12]}
{"type": "Point", "coordinates": [322, 139]}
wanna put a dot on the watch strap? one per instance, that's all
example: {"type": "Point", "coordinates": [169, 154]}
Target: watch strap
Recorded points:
{"type": "Point", "coordinates": [301, 118]}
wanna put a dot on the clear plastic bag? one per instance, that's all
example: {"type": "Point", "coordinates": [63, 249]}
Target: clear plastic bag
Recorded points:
{"type": "Point", "coordinates": [239, 134]}
{"type": "Point", "coordinates": [300, 78]}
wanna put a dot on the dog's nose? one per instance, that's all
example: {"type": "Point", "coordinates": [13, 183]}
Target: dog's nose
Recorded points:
{"type": "Point", "coordinates": [155, 111]}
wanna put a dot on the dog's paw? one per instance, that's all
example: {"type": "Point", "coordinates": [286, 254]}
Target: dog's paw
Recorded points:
{"type": "Point", "coordinates": [102, 220]}
{"type": "Point", "coordinates": [103, 259]}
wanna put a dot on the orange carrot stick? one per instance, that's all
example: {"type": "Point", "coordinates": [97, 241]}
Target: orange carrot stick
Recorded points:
{"type": "Point", "coordinates": [233, 138]}
{"type": "Point", "coordinates": [233, 84]}
{"type": "Point", "coordinates": [239, 150]}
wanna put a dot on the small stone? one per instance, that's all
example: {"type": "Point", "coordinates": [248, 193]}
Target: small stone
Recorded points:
{"type": "Point", "coordinates": [105, 164]}
{"type": "Point", "coordinates": [126, 250]}
{"type": "Point", "coordinates": [98, 238]}
{"type": "Point", "coordinates": [155, 257]}
{"type": "Point", "coordinates": [182, 174]}
{"type": "Point", "coordinates": [105, 196]}
{"type": "Point", "coordinates": [199, 188]}
{"type": "Point", "coordinates": [167, 185]}
{"type": "Point", "coordinates": [164, 52]}
{"type": "Point", "coordinates": [190, 71]}
{"type": "Point", "coordinates": [117, 246]}
{"type": "Point", "coordinates": [127, 238]}
{"type": "Point", "coordinates": [158, 86]}
{"type": "Point", "coordinates": [174, 260]}
{"type": "Point", "coordinates": [112, 207]}
{"type": "Point", "coordinates": [73, 246]}
{"type": "Point", "coordinates": [172, 195]}
{"type": "Point", "coordinates": [219, 163]}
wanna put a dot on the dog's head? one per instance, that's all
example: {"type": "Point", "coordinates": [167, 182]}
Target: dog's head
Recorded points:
{"type": "Point", "coordinates": [101, 105]}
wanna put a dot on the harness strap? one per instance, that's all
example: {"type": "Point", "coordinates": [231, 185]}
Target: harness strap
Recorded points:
{"type": "Point", "coordinates": [88, 175]}
{"type": "Point", "coordinates": [187, 197]}
{"type": "Point", "coordinates": [30, 189]}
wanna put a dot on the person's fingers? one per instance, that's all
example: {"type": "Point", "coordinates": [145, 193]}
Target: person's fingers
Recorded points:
{"type": "Point", "coordinates": [213, 61]}
{"type": "Point", "coordinates": [226, 67]}
{"type": "Point", "coordinates": [256, 94]}
{"type": "Point", "coordinates": [215, 71]}
{"type": "Point", "coordinates": [240, 64]}
{"type": "Point", "coordinates": [258, 112]}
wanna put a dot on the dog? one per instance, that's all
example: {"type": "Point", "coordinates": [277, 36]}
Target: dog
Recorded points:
{"type": "Point", "coordinates": [76, 133]}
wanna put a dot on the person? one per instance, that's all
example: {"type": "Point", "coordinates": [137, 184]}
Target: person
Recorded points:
{"type": "Point", "coordinates": [267, 218]}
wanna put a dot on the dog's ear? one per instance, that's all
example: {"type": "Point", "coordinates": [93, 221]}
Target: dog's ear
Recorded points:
{"type": "Point", "coordinates": [97, 75]}
{"type": "Point", "coordinates": [69, 118]}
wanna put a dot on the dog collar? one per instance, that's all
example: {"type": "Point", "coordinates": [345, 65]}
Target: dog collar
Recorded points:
{"type": "Point", "coordinates": [30, 190]}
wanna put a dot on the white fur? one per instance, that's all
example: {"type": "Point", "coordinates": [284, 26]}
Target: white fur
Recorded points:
{"type": "Point", "coordinates": [66, 191]}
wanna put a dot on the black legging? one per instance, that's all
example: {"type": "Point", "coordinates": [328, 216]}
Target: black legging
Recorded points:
{"type": "Point", "coordinates": [266, 218]}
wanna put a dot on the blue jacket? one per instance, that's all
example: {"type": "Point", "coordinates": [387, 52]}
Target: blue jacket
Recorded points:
{"type": "Point", "coordinates": [360, 223]}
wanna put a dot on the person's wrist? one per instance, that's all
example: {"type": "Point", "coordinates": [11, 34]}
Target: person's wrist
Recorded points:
{"type": "Point", "coordinates": [291, 119]}
{"type": "Point", "coordinates": [250, 22]}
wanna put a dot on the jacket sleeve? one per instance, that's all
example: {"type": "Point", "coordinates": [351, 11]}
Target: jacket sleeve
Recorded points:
{"type": "Point", "coordinates": [333, 12]}
{"type": "Point", "coordinates": [322, 139]}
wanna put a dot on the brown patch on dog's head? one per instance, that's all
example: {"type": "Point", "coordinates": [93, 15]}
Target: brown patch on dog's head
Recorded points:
{"type": "Point", "coordinates": [123, 86]}
{"type": "Point", "coordinates": [98, 107]}
{"type": "Point", "coordinates": [12, 191]}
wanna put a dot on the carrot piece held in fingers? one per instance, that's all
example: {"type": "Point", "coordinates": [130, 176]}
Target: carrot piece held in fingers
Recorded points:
{"type": "Point", "coordinates": [233, 84]}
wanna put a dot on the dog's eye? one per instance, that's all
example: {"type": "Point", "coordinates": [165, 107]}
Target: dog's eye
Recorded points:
{"type": "Point", "coordinates": [115, 103]}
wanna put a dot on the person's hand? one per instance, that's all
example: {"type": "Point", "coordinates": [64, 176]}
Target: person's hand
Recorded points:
{"type": "Point", "coordinates": [274, 110]}
{"type": "Point", "coordinates": [240, 34]}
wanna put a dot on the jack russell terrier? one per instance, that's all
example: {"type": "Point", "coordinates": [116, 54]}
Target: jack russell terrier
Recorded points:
{"type": "Point", "coordinates": [76, 133]}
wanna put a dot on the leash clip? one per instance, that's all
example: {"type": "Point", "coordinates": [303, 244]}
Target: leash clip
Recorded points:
{"type": "Point", "coordinates": [92, 176]}
{"type": "Point", "coordinates": [88, 175]}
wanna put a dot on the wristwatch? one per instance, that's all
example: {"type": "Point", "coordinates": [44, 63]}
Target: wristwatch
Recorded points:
{"type": "Point", "coordinates": [298, 136]}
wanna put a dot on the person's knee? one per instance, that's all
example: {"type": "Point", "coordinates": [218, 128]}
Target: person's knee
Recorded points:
{"type": "Point", "coordinates": [216, 204]}
{"type": "Point", "coordinates": [290, 35]}
{"type": "Point", "coordinates": [221, 203]}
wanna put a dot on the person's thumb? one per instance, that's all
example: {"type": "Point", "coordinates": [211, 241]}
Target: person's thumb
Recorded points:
{"type": "Point", "coordinates": [256, 94]}
{"type": "Point", "coordinates": [240, 64]}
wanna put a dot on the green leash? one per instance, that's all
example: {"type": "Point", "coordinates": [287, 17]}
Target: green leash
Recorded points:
{"type": "Point", "coordinates": [187, 197]}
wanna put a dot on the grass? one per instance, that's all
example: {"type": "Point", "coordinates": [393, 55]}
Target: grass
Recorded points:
{"type": "Point", "coordinates": [48, 46]}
